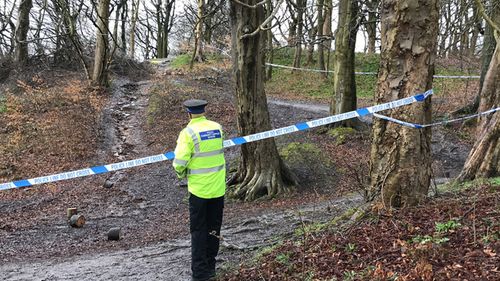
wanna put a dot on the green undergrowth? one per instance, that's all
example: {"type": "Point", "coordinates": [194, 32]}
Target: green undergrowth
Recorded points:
{"type": "Point", "coordinates": [180, 61]}
{"type": "Point", "coordinates": [312, 228]}
{"type": "Point", "coordinates": [454, 186]}
{"type": "Point", "coordinates": [341, 134]}
{"type": "Point", "coordinates": [183, 61]}
{"type": "Point", "coordinates": [295, 152]}
{"type": "Point", "coordinates": [312, 85]}
{"type": "Point", "coordinates": [3, 104]}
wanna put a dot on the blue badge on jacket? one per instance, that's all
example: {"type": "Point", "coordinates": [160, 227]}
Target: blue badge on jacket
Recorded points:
{"type": "Point", "coordinates": [209, 135]}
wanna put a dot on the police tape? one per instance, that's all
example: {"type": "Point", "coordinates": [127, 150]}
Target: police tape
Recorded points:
{"type": "Point", "coordinates": [227, 143]}
{"type": "Point", "coordinates": [420, 126]}
{"type": "Point", "coordinates": [365, 73]}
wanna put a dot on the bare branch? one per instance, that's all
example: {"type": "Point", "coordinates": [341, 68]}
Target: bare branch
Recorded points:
{"type": "Point", "coordinates": [488, 19]}
{"type": "Point", "coordinates": [263, 26]}
{"type": "Point", "coordinates": [249, 6]}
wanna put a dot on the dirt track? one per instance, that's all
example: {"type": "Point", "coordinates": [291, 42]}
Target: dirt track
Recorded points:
{"type": "Point", "coordinates": [150, 206]}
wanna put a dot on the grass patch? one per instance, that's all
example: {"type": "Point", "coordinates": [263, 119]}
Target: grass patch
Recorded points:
{"type": "Point", "coordinates": [265, 251]}
{"type": "Point", "coordinates": [310, 85]}
{"type": "Point", "coordinates": [492, 183]}
{"type": "Point", "coordinates": [341, 134]}
{"type": "Point", "coordinates": [305, 84]}
{"type": "Point", "coordinates": [295, 151]}
{"type": "Point", "coordinates": [3, 104]}
{"type": "Point", "coordinates": [181, 61]}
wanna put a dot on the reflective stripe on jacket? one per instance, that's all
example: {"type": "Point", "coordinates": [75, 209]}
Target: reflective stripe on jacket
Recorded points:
{"type": "Point", "coordinates": [199, 155]}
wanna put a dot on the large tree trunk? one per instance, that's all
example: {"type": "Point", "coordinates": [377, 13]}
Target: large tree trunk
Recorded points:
{"type": "Point", "coordinates": [371, 24]}
{"type": "Point", "coordinates": [344, 85]}
{"type": "Point", "coordinates": [22, 28]}
{"type": "Point", "coordinates": [400, 161]}
{"type": "Point", "coordinates": [100, 75]}
{"type": "Point", "coordinates": [261, 171]}
{"type": "Point", "coordinates": [484, 158]}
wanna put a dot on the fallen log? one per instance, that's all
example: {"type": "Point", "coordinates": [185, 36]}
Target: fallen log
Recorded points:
{"type": "Point", "coordinates": [77, 221]}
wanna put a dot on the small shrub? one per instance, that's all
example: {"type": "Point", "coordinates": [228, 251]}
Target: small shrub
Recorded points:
{"type": "Point", "coordinates": [283, 258]}
{"type": "Point", "coordinates": [448, 226]}
{"type": "Point", "coordinates": [350, 247]}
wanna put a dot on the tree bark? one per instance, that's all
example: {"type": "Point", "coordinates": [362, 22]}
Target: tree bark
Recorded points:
{"type": "Point", "coordinates": [484, 159]}
{"type": "Point", "coordinates": [261, 171]}
{"type": "Point", "coordinates": [133, 24]}
{"type": "Point", "coordinates": [22, 28]}
{"type": "Point", "coordinates": [400, 161]}
{"type": "Point", "coordinates": [301, 5]}
{"type": "Point", "coordinates": [371, 25]}
{"type": "Point", "coordinates": [344, 84]}
{"type": "Point", "coordinates": [327, 26]}
{"type": "Point", "coordinates": [124, 18]}
{"type": "Point", "coordinates": [489, 45]}
{"type": "Point", "coordinates": [100, 75]}
{"type": "Point", "coordinates": [321, 51]}
{"type": "Point", "coordinates": [269, 42]}
{"type": "Point", "coordinates": [199, 55]}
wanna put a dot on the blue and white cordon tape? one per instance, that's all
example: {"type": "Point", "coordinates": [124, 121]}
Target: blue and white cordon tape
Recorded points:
{"type": "Point", "coordinates": [420, 126]}
{"type": "Point", "coordinates": [368, 73]}
{"type": "Point", "coordinates": [228, 143]}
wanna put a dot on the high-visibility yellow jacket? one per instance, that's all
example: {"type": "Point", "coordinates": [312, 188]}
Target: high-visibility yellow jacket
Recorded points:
{"type": "Point", "coordinates": [199, 155]}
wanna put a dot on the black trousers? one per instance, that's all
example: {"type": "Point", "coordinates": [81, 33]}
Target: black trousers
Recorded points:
{"type": "Point", "coordinates": [205, 217]}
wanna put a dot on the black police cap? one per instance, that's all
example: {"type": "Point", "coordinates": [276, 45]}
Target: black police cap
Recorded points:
{"type": "Point", "coordinates": [195, 106]}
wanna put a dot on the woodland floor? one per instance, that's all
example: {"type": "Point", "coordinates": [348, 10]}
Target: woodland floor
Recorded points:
{"type": "Point", "coordinates": [55, 124]}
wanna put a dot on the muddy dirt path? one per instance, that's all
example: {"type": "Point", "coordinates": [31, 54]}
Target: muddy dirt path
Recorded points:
{"type": "Point", "coordinates": [170, 260]}
{"type": "Point", "coordinates": [150, 207]}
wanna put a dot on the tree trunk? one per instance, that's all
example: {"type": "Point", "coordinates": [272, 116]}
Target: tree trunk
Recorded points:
{"type": "Point", "coordinates": [344, 84]}
{"type": "Point", "coordinates": [100, 75]}
{"type": "Point", "coordinates": [475, 29]}
{"type": "Point", "coordinates": [135, 15]}
{"type": "Point", "coordinates": [371, 25]}
{"type": "Point", "coordinates": [327, 26]}
{"type": "Point", "coordinates": [22, 28]}
{"type": "Point", "coordinates": [269, 42]}
{"type": "Point", "coordinates": [124, 18]}
{"type": "Point", "coordinates": [489, 45]}
{"type": "Point", "coordinates": [301, 4]}
{"type": "Point", "coordinates": [199, 55]}
{"type": "Point", "coordinates": [400, 161]}
{"type": "Point", "coordinates": [116, 24]}
{"type": "Point", "coordinates": [321, 51]}
{"type": "Point", "coordinates": [484, 158]}
{"type": "Point", "coordinates": [261, 171]}
{"type": "Point", "coordinates": [310, 47]}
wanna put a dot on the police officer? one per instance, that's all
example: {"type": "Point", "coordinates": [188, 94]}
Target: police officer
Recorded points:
{"type": "Point", "coordinates": [199, 156]}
